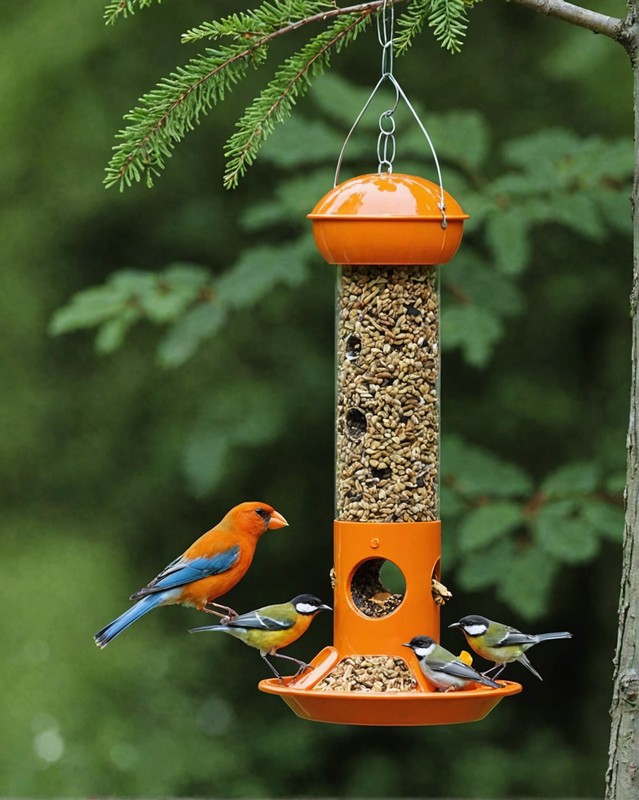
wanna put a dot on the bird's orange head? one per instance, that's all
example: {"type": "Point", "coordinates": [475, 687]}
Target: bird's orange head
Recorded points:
{"type": "Point", "coordinates": [253, 518]}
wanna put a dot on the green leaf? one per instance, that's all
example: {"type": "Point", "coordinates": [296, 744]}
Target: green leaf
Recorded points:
{"type": "Point", "coordinates": [525, 584]}
{"type": "Point", "coordinates": [580, 211]}
{"type": "Point", "coordinates": [606, 518]}
{"type": "Point", "coordinates": [293, 199]}
{"type": "Point", "coordinates": [507, 236]}
{"type": "Point", "coordinates": [462, 137]}
{"type": "Point", "coordinates": [248, 282]}
{"type": "Point", "coordinates": [475, 330]}
{"type": "Point", "coordinates": [484, 568]}
{"type": "Point", "coordinates": [542, 147]}
{"type": "Point", "coordinates": [475, 472]}
{"type": "Point", "coordinates": [582, 477]}
{"type": "Point", "coordinates": [184, 338]}
{"type": "Point", "coordinates": [450, 504]}
{"type": "Point", "coordinates": [111, 334]}
{"type": "Point", "coordinates": [562, 534]}
{"type": "Point", "coordinates": [236, 419]}
{"type": "Point", "coordinates": [257, 272]}
{"type": "Point", "coordinates": [340, 100]}
{"type": "Point", "coordinates": [469, 278]}
{"type": "Point", "coordinates": [485, 524]}
{"type": "Point", "coordinates": [301, 143]}
{"type": "Point", "coordinates": [89, 308]}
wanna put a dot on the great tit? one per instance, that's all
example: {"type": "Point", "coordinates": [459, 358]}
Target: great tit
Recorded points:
{"type": "Point", "coordinates": [501, 643]}
{"type": "Point", "coordinates": [272, 627]}
{"type": "Point", "coordinates": [444, 669]}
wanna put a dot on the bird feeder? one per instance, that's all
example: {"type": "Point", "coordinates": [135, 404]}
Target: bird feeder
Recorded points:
{"type": "Point", "coordinates": [387, 232]}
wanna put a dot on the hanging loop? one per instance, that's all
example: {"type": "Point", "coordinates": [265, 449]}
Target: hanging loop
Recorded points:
{"type": "Point", "coordinates": [400, 94]}
{"type": "Point", "coordinates": [385, 20]}
{"type": "Point", "coordinates": [386, 146]}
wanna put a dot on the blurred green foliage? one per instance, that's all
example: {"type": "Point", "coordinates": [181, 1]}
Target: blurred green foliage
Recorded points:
{"type": "Point", "coordinates": [111, 466]}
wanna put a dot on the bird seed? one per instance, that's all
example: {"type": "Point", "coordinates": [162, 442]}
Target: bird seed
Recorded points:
{"type": "Point", "coordinates": [369, 674]}
{"type": "Point", "coordinates": [387, 394]}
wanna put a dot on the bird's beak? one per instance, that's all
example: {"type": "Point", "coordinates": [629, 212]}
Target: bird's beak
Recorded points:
{"type": "Point", "coordinates": [276, 521]}
{"type": "Point", "coordinates": [406, 644]}
{"type": "Point", "coordinates": [454, 625]}
{"type": "Point", "coordinates": [324, 607]}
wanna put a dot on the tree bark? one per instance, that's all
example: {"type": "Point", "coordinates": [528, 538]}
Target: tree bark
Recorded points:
{"type": "Point", "coordinates": [622, 777]}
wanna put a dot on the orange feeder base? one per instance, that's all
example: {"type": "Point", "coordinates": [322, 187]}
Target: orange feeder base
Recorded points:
{"type": "Point", "coordinates": [415, 548]}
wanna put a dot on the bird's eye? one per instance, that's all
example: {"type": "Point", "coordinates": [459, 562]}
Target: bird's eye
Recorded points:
{"type": "Point", "coordinates": [262, 512]}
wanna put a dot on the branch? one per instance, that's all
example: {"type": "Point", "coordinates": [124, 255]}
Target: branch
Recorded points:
{"type": "Point", "coordinates": [276, 101]}
{"type": "Point", "coordinates": [576, 15]}
{"type": "Point", "coordinates": [148, 141]}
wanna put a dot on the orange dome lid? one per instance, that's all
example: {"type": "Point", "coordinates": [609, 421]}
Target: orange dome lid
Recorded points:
{"type": "Point", "coordinates": [394, 195]}
{"type": "Point", "coordinates": [387, 218]}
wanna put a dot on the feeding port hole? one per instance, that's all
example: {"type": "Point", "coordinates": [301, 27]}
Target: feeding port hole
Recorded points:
{"type": "Point", "coordinates": [377, 587]}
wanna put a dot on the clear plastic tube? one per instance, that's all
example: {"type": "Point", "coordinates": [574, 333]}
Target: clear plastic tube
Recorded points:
{"type": "Point", "coordinates": [388, 369]}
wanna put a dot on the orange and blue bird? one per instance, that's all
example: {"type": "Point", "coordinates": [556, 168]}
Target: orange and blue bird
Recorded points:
{"type": "Point", "coordinates": [210, 567]}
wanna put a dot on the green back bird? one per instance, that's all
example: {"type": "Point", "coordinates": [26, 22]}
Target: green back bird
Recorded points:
{"type": "Point", "coordinates": [501, 643]}
{"type": "Point", "coordinates": [270, 628]}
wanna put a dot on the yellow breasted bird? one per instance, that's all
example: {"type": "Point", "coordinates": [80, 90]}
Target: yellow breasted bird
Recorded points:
{"type": "Point", "coordinates": [270, 628]}
{"type": "Point", "coordinates": [501, 643]}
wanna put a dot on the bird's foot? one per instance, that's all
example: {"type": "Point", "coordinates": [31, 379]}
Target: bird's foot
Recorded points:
{"type": "Point", "coordinates": [227, 614]}
{"type": "Point", "coordinates": [302, 669]}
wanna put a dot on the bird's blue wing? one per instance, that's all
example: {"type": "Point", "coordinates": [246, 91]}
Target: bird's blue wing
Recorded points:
{"type": "Point", "coordinates": [183, 571]}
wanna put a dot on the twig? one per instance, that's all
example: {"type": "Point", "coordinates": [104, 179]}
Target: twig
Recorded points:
{"type": "Point", "coordinates": [577, 15]}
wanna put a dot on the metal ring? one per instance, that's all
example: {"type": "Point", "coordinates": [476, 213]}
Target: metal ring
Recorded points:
{"type": "Point", "coordinates": [389, 116]}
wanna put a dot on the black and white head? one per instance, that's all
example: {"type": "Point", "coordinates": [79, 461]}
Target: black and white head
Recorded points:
{"type": "Point", "coordinates": [422, 646]}
{"type": "Point", "coordinates": [309, 604]}
{"type": "Point", "coordinates": [472, 625]}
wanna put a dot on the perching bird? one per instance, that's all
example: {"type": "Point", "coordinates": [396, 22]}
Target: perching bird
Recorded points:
{"type": "Point", "coordinates": [270, 628]}
{"type": "Point", "coordinates": [442, 668]}
{"type": "Point", "coordinates": [210, 567]}
{"type": "Point", "coordinates": [501, 643]}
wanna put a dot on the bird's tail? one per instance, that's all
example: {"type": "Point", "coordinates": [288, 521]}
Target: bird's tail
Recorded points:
{"type": "Point", "coordinates": [544, 637]}
{"type": "Point", "coordinates": [225, 628]}
{"type": "Point", "coordinates": [110, 631]}
{"type": "Point", "coordinates": [523, 659]}
{"type": "Point", "coordinates": [489, 682]}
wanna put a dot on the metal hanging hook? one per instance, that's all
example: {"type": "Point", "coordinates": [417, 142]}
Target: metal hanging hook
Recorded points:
{"type": "Point", "coordinates": [386, 146]}
{"type": "Point", "coordinates": [385, 35]}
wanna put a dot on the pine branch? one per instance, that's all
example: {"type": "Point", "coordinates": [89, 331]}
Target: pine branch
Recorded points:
{"type": "Point", "coordinates": [165, 115]}
{"type": "Point", "coordinates": [267, 18]}
{"type": "Point", "coordinates": [123, 8]}
{"type": "Point", "coordinates": [410, 24]}
{"type": "Point", "coordinates": [448, 20]}
{"type": "Point", "coordinates": [275, 103]}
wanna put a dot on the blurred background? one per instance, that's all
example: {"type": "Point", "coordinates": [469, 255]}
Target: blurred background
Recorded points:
{"type": "Point", "coordinates": [117, 452]}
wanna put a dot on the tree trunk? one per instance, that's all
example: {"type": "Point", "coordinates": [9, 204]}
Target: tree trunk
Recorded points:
{"type": "Point", "coordinates": [622, 777]}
